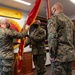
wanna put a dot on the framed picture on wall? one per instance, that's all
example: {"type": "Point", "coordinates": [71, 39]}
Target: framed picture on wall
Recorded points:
{"type": "Point", "coordinates": [43, 25]}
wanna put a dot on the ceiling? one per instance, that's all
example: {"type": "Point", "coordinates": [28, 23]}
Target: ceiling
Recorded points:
{"type": "Point", "coordinates": [69, 7]}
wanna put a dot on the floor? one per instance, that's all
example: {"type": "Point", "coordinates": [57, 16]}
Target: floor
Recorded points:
{"type": "Point", "coordinates": [48, 69]}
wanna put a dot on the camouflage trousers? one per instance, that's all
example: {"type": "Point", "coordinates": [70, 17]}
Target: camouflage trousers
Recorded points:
{"type": "Point", "coordinates": [39, 62]}
{"type": "Point", "coordinates": [64, 68]}
{"type": "Point", "coordinates": [6, 67]}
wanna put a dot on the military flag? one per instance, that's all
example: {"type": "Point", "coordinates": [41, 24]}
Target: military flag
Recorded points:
{"type": "Point", "coordinates": [30, 19]}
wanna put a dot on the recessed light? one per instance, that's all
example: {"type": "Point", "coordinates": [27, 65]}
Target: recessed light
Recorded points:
{"type": "Point", "coordinates": [73, 1]}
{"type": "Point", "coordinates": [23, 2]}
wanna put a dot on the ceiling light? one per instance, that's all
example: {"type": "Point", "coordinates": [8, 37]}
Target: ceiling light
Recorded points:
{"type": "Point", "coordinates": [73, 1]}
{"type": "Point", "coordinates": [24, 2]}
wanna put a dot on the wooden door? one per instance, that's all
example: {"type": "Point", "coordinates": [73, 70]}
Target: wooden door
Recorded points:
{"type": "Point", "coordinates": [26, 67]}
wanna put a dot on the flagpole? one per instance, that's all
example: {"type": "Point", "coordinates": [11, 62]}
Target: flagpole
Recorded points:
{"type": "Point", "coordinates": [48, 14]}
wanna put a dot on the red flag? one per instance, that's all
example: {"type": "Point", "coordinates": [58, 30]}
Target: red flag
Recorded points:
{"type": "Point", "coordinates": [33, 13]}
{"type": "Point", "coordinates": [31, 18]}
{"type": "Point", "coordinates": [48, 9]}
{"type": "Point", "coordinates": [19, 55]}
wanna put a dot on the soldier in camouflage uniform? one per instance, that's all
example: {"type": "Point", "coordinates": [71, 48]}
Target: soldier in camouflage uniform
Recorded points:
{"type": "Point", "coordinates": [60, 41]}
{"type": "Point", "coordinates": [37, 39]}
{"type": "Point", "coordinates": [6, 47]}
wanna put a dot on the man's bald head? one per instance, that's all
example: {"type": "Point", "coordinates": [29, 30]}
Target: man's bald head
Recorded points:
{"type": "Point", "coordinates": [4, 22]}
{"type": "Point", "coordinates": [57, 8]}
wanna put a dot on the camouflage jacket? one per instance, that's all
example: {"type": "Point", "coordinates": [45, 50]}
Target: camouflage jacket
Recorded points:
{"type": "Point", "coordinates": [60, 37]}
{"type": "Point", "coordinates": [37, 40]}
{"type": "Point", "coordinates": [6, 42]}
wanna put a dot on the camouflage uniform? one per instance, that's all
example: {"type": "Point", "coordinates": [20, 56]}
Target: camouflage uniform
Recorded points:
{"type": "Point", "coordinates": [6, 49]}
{"type": "Point", "coordinates": [60, 41]}
{"type": "Point", "coordinates": [37, 39]}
